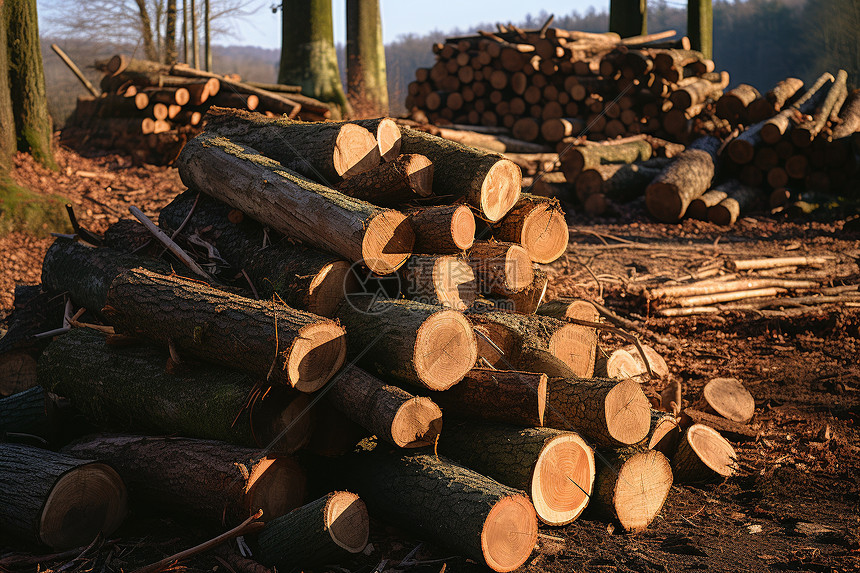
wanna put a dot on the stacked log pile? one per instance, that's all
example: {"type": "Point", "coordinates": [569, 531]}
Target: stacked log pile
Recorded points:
{"type": "Point", "coordinates": [271, 327]}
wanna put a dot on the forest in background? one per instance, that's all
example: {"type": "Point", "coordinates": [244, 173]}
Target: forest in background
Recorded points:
{"type": "Point", "coordinates": [758, 42]}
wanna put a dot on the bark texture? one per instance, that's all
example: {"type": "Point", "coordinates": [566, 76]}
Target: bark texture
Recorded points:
{"type": "Point", "coordinates": [686, 178]}
{"type": "Point", "coordinates": [366, 78]}
{"type": "Point", "coordinates": [27, 412]}
{"type": "Point", "coordinates": [446, 229]}
{"type": "Point", "coordinates": [498, 396]}
{"type": "Point", "coordinates": [576, 159]}
{"type": "Point", "coordinates": [406, 178]}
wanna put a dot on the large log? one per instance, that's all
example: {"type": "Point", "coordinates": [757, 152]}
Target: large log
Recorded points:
{"type": "Point", "coordinates": [500, 267]}
{"type": "Point", "coordinates": [538, 224]}
{"type": "Point", "coordinates": [129, 389]}
{"type": "Point", "coordinates": [703, 455]}
{"type": "Point", "coordinates": [608, 412]}
{"type": "Point", "coordinates": [271, 341]}
{"type": "Point", "coordinates": [31, 411]}
{"type": "Point", "coordinates": [217, 482]}
{"type": "Point", "coordinates": [556, 468]}
{"type": "Point", "coordinates": [296, 206]}
{"type": "Point", "coordinates": [58, 500]}
{"type": "Point", "coordinates": [498, 396]}
{"type": "Point", "coordinates": [386, 411]}
{"type": "Point", "coordinates": [686, 178]}
{"type": "Point", "coordinates": [486, 180]}
{"type": "Point", "coordinates": [405, 178]}
{"type": "Point", "coordinates": [632, 486]}
{"type": "Point", "coordinates": [765, 107]}
{"type": "Point", "coordinates": [444, 280]}
{"type": "Point", "coordinates": [319, 533]}
{"type": "Point", "coordinates": [578, 158]}
{"type": "Point", "coordinates": [387, 133]}
{"type": "Point", "coordinates": [449, 504]}
{"type": "Point", "coordinates": [527, 300]}
{"type": "Point", "coordinates": [410, 341]}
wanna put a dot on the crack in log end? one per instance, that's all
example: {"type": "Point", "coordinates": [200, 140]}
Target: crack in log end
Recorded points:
{"type": "Point", "coordinates": [445, 349]}
{"type": "Point", "coordinates": [630, 419]}
{"type": "Point", "coordinates": [509, 533]}
{"type": "Point", "coordinates": [387, 243]}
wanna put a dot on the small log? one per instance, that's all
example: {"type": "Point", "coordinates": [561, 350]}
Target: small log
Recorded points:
{"type": "Point", "coordinates": [627, 362]}
{"type": "Point", "coordinates": [400, 180]}
{"type": "Point", "coordinates": [732, 106]}
{"type": "Point", "coordinates": [271, 101]}
{"type": "Point", "coordinates": [443, 280]}
{"type": "Point", "coordinates": [570, 308]}
{"type": "Point", "coordinates": [491, 183]}
{"type": "Point", "coordinates": [387, 133]}
{"type": "Point", "coordinates": [739, 197]}
{"type": "Point", "coordinates": [321, 532]}
{"type": "Point", "coordinates": [728, 398]}
{"type": "Point", "coordinates": [776, 262]}
{"type": "Point", "coordinates": [774, 128]}
{"type": "Point", "coordinates": [500, 267]}
{"type": "Point", "coordinates": [632, 486]}
{"type": "Point", "coordinates": [686, 178]}
{"type": "Point", "coordinates": [527, 300]}
{"type": "Point", "coordinates": [235, 100]}
{"type": "Point", "coordinates": [734, 430]}
{"type": "Point", "coordinates": [445, 229]}
{"type": "Point", "coordinates": [554, 467]}
{"type": "Point", "coordinates": [498, 143]}
{"type": "Point", "coordinates": [538, 224]}
{"type": "Point", "coordinates": [414, 342]}
{"type": "Point", "coordinates": [31, 411]}
{"type": "Point", "coordinates": [664, 434]}
{"type": "Point", "coordinates": [496, 525]}
{"type": "Point", "coordinates": [803, 134]}
{"type": "Point", "coordinates": [849, 117]}
{"type": "Point", "coordinates": [608, 412]}
{"type": "Point", "coordinates": [58, 500]}
{"type": "Point", "coordinates": [697, 92]}
{"type": "Point", "coordinates": [621, 182]}
{"type": "Point", "coordinates": [295, 206]}
{"type": "Point", "coordinates": [168, 95]}
{"type": "Point", "coordinates": [576, 159]}
{"type": "Point", "coordinates": [703, 455]}
{"type": "Point", "coordinates": [214, 481]}
{"type": "Point", "coordinates": [498, 396]}
{"type": "Point", "coordinates": [699, 206]}
{"type": "Point", "coordinates": [112, 105]}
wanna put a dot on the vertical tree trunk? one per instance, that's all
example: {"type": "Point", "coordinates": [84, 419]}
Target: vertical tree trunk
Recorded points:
{"type": "Point", "coordinates": [700, 26]}
{"type": "Point", "coordinates": [185, 31]}
{"type": "Point", "coordinates": [366, 78]}
{"type": "Point", "coordinates": [170, 33]}
{"type": "Point", "coordinates": [195, 53]}
{"type": "Point", "coordinates": [207, 46]}
{"type": "Point", "coordinates": [308, 57]}
{"type": "Point", "coordinates": [7, 118]}
{"type": "Point", "coordinates": [628, 17]}
{"type": "Point", "coordinates": [146, 31]}
{"type": "Point", "coordinates": [27, 81]}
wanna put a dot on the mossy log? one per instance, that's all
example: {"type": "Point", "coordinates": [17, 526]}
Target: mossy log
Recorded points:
{"type": "Point", "coordinates": [538, 224]}
{"type": "Point", "coordinates": [686, 178]}
{"type": "Point", "coordinates": [128, 389]}
{"type": "Point", "coordinates": [497, 395]}
{"type": "Point", "coordinates": [405, 178]}
{"type": "Point", "coordinates": [556, 468]}
{"type": "Point", "coordinates": [445, 229]}
{"type": "Point", "coordinates": [270, 341]}
{"type": "Point", "coordinates": [217, 482]}
{"type": "Point", "coordinates": [578, 158]}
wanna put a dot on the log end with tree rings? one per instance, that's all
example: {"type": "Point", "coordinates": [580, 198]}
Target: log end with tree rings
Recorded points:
{"type": "Point", "coordinates": [496, 344]}
{"type": "Point", "coordinates": [627, 363]}
{"type": "Point", "coordinates": [576, 346]}
{"type": "Point", "coordinates": [463, 227]}
{"type": "Point", "coordinates": [509, 533]}
{"type": "Point", "coordinates": [277, 485]}
{"type": "Point", "coordinates": [563, 479]}
{"type": "Point", "coordinates": [628, 413]}
{"type": "Point", "coordinates": [500, 189]}
{"type": "Point", "coordinates": [455, 283]}
{"type": "Point", "coordinates": [703, 455]}
{"type": "Point", "coordinates": [296, 418]}
{"type": "Point", "coordinates": [328, 288]}
{"type": "Point", "coordinates": [88, 500]}
{"type": "Point", "coordinates": [347, 521]}
{"type": "Point", "coordinates": [730, 399]}
{"type": "Point", "coordinates": [545, 233]}
{"type": "Point", "coordinates": [417, 423]}
{"type": "Point", "coordinates": [518, 269]}
{"type": "Point", "coordinates": [387, 242]}
{"type": "Point", "coordinates": [419, 173]}
{"type": "Point", "coordinates": [388, 139]}
{"type": "Point", "coordinates": [445, 349]}
{"type": "Point", "coordinates": [665, 433]}
{"type": "Point", "coordinates": [355, 151]}
{"type": "Point", "coordinates": [641, 489]}
{"type": "Point", "coordinates": [316, 354]}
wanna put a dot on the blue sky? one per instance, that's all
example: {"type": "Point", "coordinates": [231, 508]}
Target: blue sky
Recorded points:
{"type": "Point", "coordinates": [409, 16]}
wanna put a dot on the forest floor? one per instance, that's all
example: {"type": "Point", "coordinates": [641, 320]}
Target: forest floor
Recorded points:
{"type": "Point", "coordinates": [793, 506]}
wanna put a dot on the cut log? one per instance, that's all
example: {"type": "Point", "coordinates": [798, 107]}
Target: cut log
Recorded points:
{"type": "Point", "coordinates": [443, 280]}
{"type": "Point", "coordinates": [527, 300]}
{"type": "Point", "coordinates": [400, 180]}
{"type": "Point", "coordinates": [632, 486]}
{"type": "Point", "coordinates": [209, 480]}
{"type": "Point", "coordinates": [803, 134]}
{"type": "Point", "coordinates": [783, 92]}
{"type": "Point", "coordinates": [500, 267]}
{"type": "Point", "coordinates": [734, 430]}
{"type": "Point", "coordinates": [627, 362]}
{"type": "Point", "coordinates": [334, 434]}
{"type": "Point", "coordinates": [739, 198]}
{"type": "Point", "coordinates": [319, 533]}
{"type": "Point", "coordinates": [445, 229]}
{"type": "Point", "coordinates": [273, 342]}
{"type": "Point", "coordinates": [29, 412]}
{"type": "Point", "coordinates": [554, 467]}
{"type": "Point", "coordinates": [578, 158]}
{"type": "Point", "coordinates": [295, 206]}
{"type": "Point", "coordinates": [664, 434]}
{"type": "Point", "coordinates": [732, 106]}
{"type": "Point", "coordinates": [620, 182]}
{"type": "Point", "coordinates": [556, 129]}
{"type": "Point", "coordinates": [607, 412]}
{"type": "Point", "coordinates": [386, 411]}
{"type": "Point", "coordinates": [699, 206]}
{"type": "Point", "coordinates": [697, 92]}
{"type": "Point", "coordinates": [570, 308]}
{"type": "Point", "coordinates": [414, 342]}
{"type": "Point", "coordinates": [274, 102]}
{"type": "Point", "coordinates": [849, 117]}
{"type": "Point", "coordinates": [703, 455]}
{"type": "Point", "coordinates": [128, 389]}
{"type": "Point", "coordinates": [168, 95]}
{"type": "Point", "coordinates": [235, 100]}
{"type": "Point", "coordinates": [387, 133]}
{"type": "Point", "coordinates": [538, 224]}
{"type": "Point", "coordinates": [498, 396]}
{"type": "Point", "coordinates": [686, 178]}
{"type": "Point", "coordinates": [774, 128]}
{"type": "Point", "coordinates": [58, 500]}
{"type": "Point", "coordinates": [487, 181]}
{"type": "Point", "coordinates": [489, 142]}
{"type": "Point", "coordinates": [728, 398]}
{"type": "Point", "coordinates": [495, 525]}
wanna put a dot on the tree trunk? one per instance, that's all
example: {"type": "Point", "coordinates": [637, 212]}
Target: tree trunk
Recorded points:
{"type": "Point", "coordinates": [272, 342]}
{"type": "Point", "coordinates": [57, 500]}
{"type": "Point", "coordinates": [688, 177]}
{"type": "Point", "coordinates": [538, 224]}
{"type": "Point", "coordinates": [402, 180]}
{"type": "Point", "coordinates": [703, 455]}
{"type": "Point", "coordinates": [608, 412]}
{"type": "Point", "coordinates": [700, 26]}
{"type": "Point", "coordinates": [576, 159]}
{"type": "Point", "coordinates": [554, 467]}
{"type": "Point", "coordinates": [739, 197]}
{"type": "Point", "coordinates": [495, 525]}
{"type": "Point", "coordinates": [29, 412]}
{"type": "Point", "coordinates": [308, 56]}
{"type": "Point", "coordinates": [486, 180]}
{"type": "Point", "coordinates": [295, 206]}
{"type": "Point", "coordinates": [446, 229]}
{"type": "Point", "coordinates": [413, 342]}
{"type": "Point", "coordinates": [27, 81]}
{"type": "Point", "coordinates": [8, 140]}
{"type": "Point", "coordinates": [628, 17]}
{"type": "Point", "coordinates": [321, 532]}
{"type": "Point", "coordinates": [210, 480]}
{"type": "Point", "coordinates": [631, 486]}
{"type": "Point", "coordinates": [129, 389]}
{"type": "Point", "coordinates": [170, 53]}
{"type": "Point", "coordinates": [501, 268]}
{"type": "Point", "coordinates": [443, 280]}
{"type": "Point", "coordinates": [146, 28]}
{"type": "Point", "coordinates": [366, 77]}
{"type": "Point", "coordinates": [499, 396]}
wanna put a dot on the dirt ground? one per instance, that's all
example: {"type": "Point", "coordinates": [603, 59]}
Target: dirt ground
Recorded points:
{"type": "Point", "coordinates": [793, 505]}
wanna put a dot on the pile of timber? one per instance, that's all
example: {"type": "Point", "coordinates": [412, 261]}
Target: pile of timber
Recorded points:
{"type": "Point", "coordinates": [258, 320]}
{"type": "Point", "coordinates": [151, 109]}
{"type": "Point", "coordinates": [552, 85]}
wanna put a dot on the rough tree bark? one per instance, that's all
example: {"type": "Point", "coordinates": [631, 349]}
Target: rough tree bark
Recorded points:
{"type": "Point", "coordinates": [499, 396]}
{"type": "Point", "coordinates": [366, 79]}
{"type": "Point", "coordinates": [628, 17]}
{"type": "Point", "coordinates": [170, 33]}
{"type": "Point", "coordinates": [688, 177]}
